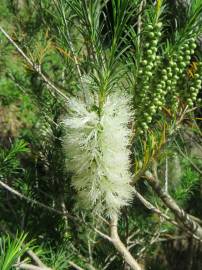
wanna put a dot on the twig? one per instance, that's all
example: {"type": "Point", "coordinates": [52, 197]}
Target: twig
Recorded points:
{"type": "Point", "coordinates": [110, 260]}
{"type": "Point", "coordinates": [121, 247]}
{"type": "Point", "coordinates": [166, 175]}
{"type": "Point", "coordinates": [188, 223]}
{"type": "Point", "coordinates": [89, 266]}
{"type": "Point", "coordinates": [139, 22]}
{"type": "Point", "coordinates": [26, 266]}
{"type": "Point", "coordinates": [103, 219]}
{"type": "Point", "coordinates": [71, 46]}
{"type": "Point", "coordinates": [129, 239]}
{"type": "Point", "coordinates": [33, 65]}
{"type": "Point", "coordinates": [90, 252]}
{"type": "Point", "coordinates": [105, 236]}
{"type": "Point", "coordinates": [196, 219]}
{"type": "Point", "coordinates": [75, 265]}
{"type": "Point", "coordinates": [151, 207]}
{"type": "Point", "coordinates": [35, 258]}
{"type": "Point", "coordinates": [187, 158]}
{"type": "Point", "coordinates": [33, 201]}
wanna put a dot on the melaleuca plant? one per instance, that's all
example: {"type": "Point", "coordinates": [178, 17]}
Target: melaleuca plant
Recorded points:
{"type": "Point", "coordinates": [98, 124]}
{"type": "Point", "coordinates": [127, 70]}
{"type": "Point", "coordinates": [121, 94]}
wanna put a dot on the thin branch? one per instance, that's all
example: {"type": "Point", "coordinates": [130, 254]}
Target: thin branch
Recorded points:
{"type": "Point", "coordinates": [35, 258]}
{"type": "Point", "coordinates": [33, 65]}
{"type": "Point", "coordinates": [26, 266]}
{"type": "Point", "coordinates": [131, 235]}
{"type": "Point", "coordinates": [134, 243]}
{"type": "Point", "coordinates": [166, 175]}
{"type": "Point", "coordinates": [151, 207]}
{"type": "Point", "coordinates": [75, 265]}
{"type": "Point", "coordinates": [105, 236]}
{"type": "Point", "coordinates": [109, 261]}
{"type": "Point", "coordinates": [103, 219]}
{"type": "Point", "coordinates": [181, 216]}
{"type": "Point", "coordinates": [88, 265]}
{"type": "Point", "coordinates": [118, 244]}
{"type": "Point", "coordinates": [139, 21]}
{"type": "Point", "coordinates": [168, 237]}
{"type": "Point", "coordinates": [187, 158]}
{"type": "Point", "coordinates": [196, 219]}
{"type": "Point", "coordinates": [33, 201]}
{"type": "Point", "coordinates": [90, 251]}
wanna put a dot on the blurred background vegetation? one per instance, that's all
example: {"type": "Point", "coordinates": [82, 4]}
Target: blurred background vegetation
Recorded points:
{"type": "Point", "coordinates": [32, 160]}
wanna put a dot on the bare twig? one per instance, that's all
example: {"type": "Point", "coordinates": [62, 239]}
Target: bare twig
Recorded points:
{"type": "Point", "coordinates": [103, 219]}
{"type": "Point", "coordinates": [132, 235]}
{"type": "Point", "coordinates": [121, 247]}
{"type": "Point", "coordinates": [75, 265]}
{"type": "Point", "coordinates": [90, 251]}
{"type": "Point", "coordinates": [105, 236]}
{"type": "Point", "coordinates": [88, 265]}
{"type": "Point", "coordinates": [139, 21]}
{"type": "Point", "coordinates": [181, 216]}
{"type": "Point", "coordinates": [196, 219]}
{"type": "Point", "coordinates": [109, 261]}
{"type": "Point", "coordinates": [35, 258]}
{"type": "Point", "coordinates": [166, 175]}
{"type": "Point", "coordinates": [151, 207]}
{"type": "Point", "coordinates": [187, 158]}
{"type": "Point", "coordinates": [26, 266]}
{"type": "Point", "coordinates": [33, 65]}
{"type": "Point", "coordinates": [33, 201]}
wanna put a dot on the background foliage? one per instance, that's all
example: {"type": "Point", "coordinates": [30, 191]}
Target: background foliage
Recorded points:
{"type": "Point", "coordinates": [31, 155]}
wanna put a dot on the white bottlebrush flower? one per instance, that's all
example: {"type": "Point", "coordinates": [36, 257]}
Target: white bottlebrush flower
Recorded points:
{"type": "Point", "coordinates": [97, 152]}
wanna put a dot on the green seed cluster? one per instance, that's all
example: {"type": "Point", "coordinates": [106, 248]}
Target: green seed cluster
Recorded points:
{"type": "Point", "coordinates": [146, 71]}
{"type": "Point", "coordinates": [157, 99]}
{"type": "Point", "coordinates": [167, 90]}
{"type": "Point", "coordinates": [179, 64]}
{"type": "Point", "coordinates": [169, 77]}
{"type": "Point", "coordinates": [194, 86]}
{"type": "Point", "coordinates": [149, 59]}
